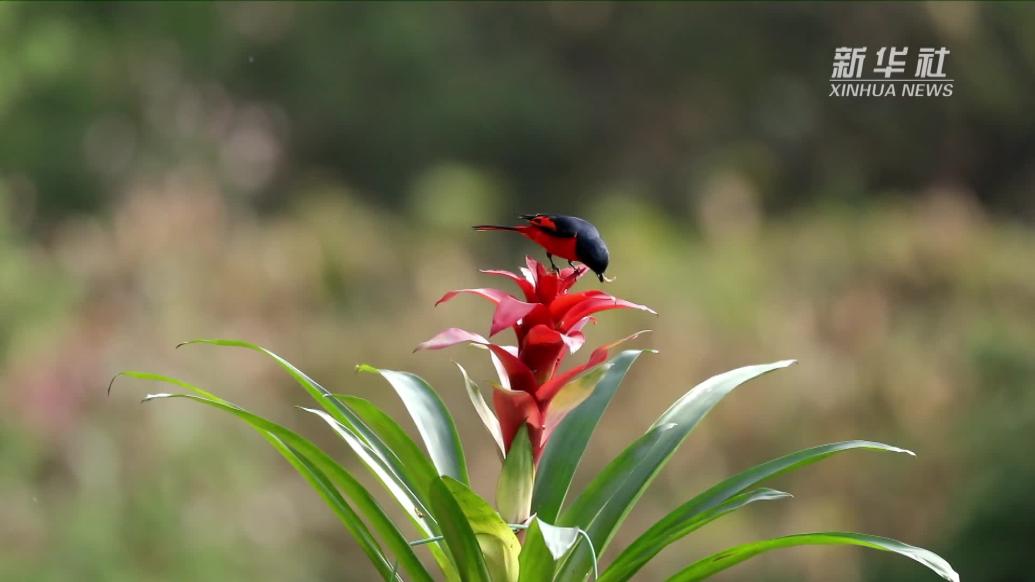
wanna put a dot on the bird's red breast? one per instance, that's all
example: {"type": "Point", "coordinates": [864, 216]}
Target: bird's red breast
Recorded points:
{"type": "Point", "coordinates": [563, 247]}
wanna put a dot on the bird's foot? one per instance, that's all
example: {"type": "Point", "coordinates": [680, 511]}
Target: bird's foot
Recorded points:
{"type": "Point", "coordinates": [552, 264]}
{"type": "Point", "coordinates": [576, 270]}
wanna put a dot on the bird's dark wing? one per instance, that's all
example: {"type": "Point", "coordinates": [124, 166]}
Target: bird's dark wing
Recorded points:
{"type": "Point", "coordinates": [569, 226]}
{"type": "Point", "coordinates": [554, 225]}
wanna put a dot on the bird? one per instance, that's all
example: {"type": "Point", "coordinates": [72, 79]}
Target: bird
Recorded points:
{"type": "Point", "coordinates": [568, 237]}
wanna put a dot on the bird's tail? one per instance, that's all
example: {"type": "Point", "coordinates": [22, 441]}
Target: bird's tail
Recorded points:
{"type": "Point", "coordinates": [495, 227]}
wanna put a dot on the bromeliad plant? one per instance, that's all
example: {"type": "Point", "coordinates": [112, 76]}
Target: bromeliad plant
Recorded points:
{"type": "Point", "coordinates": [541, 419]}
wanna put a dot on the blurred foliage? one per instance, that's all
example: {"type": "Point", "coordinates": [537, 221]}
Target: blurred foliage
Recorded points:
{"type": "Point", "coordinates": [303, 176]}
{"type": "Point", "coordinates": [561, 100]}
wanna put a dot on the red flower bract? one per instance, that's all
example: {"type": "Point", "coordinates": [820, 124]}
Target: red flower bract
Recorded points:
{"type": "Point", "coordinates": [547, 321]}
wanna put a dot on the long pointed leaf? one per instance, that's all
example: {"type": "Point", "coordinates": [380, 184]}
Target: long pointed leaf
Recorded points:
{"type": "Point", "coordinates": [568, 442]}
{"type": "Point", "coordinates": [488, 418]}
{"type": "Point", "coordinates": [335, 407]}
{"type": "Point", "coordinates": [321, 484]}
{"type": "Point", "coordinates": [434, 423]}
{"type": "Point", "coordinates": [409, 454]}
{"type": "Point", "coordinates": [459, 536]}
{"type": "Point", "coordinates": [339, 411]}
{"type": "Point", "coordinates": [717, 562]}
{"type": "Point", "coordinates": [313, 454]}
{"type": "Point", "coordinates": [623, 570]}
{"type": "Point", "coordinates": [699, 510]}
{"type": "Point", "coordinates": [373, 444]}
{"type": "Point", "coordinates": [614, 492]}
{"type": "Point", "coordinates": [514, 488]}
{"type": "Point", "coordinates": [407, 498]}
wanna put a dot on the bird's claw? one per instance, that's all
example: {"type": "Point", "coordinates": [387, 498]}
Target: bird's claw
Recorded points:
{"type": "Point", "coordinates": [553, 265]}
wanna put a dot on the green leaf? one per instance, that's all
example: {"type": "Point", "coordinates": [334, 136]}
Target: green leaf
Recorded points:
{"type": "Point", "coordinates": [385, 473]}
{"type": "Point", "coordinates": [336, 408]}
{"type": "Point", "coordinates": [536, 562]}
{"type": "Point", "coordinates": [303, 454]}
{"type": "Point", "coordinates": [500, 547]}
{"type": "Point", "coordinates": [571, 395]}
{"type": "Point", "coordinates": [492, 424]}
{"type": "Point", "coordinates": [629, 563]}
{"type": "Point", "coordinates": [434, 423]}
{"type": "Point", "coordinates": [323, 486]}
{"type": "Point", "coordinates": [614, 492]}
{"type": "Point", "coordinates": [165, 380]}
{"type": "Point", "coordinates": [568, 442]}
{"type": "Point", "coordinates": [544, 545]}
{"type": "Point", "coordinates": [376, 454]}
{"type": "Point", "coordinates": [735, 555]}
{"type": "Point", "coordinates": [408, 453]}
{"type": "Point", "coordinates": [458, 534]}
{"type": "Point", "coordinates": [315, 390]}
{"type": "Point", "coordinates": [514, 488]}
{"type": "Point", "coordinates": [702, 508]}
{"type": "Point", "coordinates": [558, 539]}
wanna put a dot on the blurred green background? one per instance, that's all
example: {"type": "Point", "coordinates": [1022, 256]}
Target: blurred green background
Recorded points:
{"type": "Point", "coordinates": [304, 176]}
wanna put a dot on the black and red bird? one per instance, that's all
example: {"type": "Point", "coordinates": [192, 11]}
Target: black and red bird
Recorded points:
{"type": "Point", "coordinates": [568, 237]}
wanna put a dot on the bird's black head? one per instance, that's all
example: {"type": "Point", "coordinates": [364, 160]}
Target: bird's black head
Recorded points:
{"type": "Point", "coordinates": [595, 256]}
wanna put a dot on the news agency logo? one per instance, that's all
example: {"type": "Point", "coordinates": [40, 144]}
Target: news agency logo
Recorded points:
{"type": "Point", "coordinates": [887, 78]}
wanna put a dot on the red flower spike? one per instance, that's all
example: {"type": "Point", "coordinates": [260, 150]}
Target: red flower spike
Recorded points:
{"type": "Point", "coordinates": [541, 350]}
{"type": "Point", "coordinates": [519, 375]}
{"type": "Point", "coordinates": [548, 327]}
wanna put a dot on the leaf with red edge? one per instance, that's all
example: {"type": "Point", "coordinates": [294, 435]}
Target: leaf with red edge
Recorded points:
{"type": "Point", "coordinates": [514, 373]}
{"type": "Point", "coordinates": [514, 409]}
{"type": "Point", "coordinates": [567, 398]}
{"type": "Point", "coordinates": [518, 374]}
{"type": "Point", "coordinates": [541, 350]}
{"type": "Point", "coordinates": [548, 390]}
